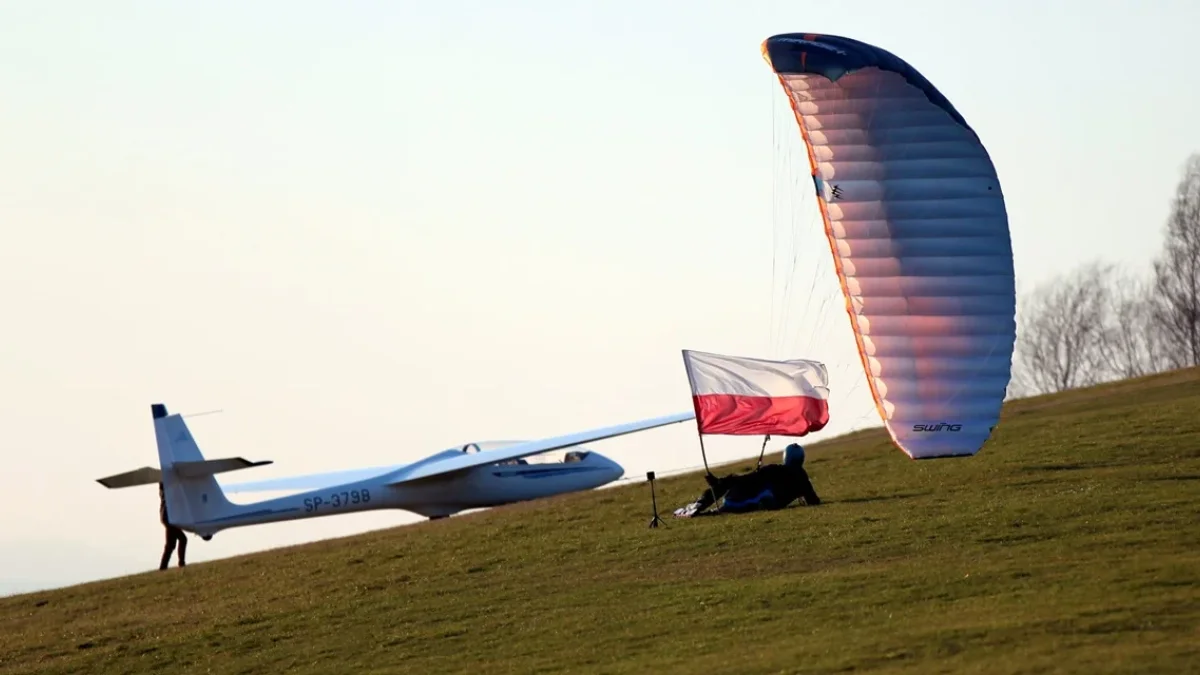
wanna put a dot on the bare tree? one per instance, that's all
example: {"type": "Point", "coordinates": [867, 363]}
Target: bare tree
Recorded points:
{"type": "Point", "coordinates": [1100, 323]}
{"type": "Point", "coordinates": [1063, 331]}
{"type": "Point", "coordinates": [1133, 344]}
{"type": "Point", "coordinates": [1019, 385]}
{"type": "Point", "coordinates": [1018, 382]}
{"type": "Point", "coordinates": [1177, 271]}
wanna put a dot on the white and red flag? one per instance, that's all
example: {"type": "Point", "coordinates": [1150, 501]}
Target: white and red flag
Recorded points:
{"type": "Point", "coordinates": [739, 396]}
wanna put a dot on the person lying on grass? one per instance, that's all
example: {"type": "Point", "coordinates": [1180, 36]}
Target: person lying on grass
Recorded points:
{"type": "Point", "coordinates": [773, 486]}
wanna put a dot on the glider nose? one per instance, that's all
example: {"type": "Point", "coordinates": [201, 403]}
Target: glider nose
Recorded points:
{"type": "Point", "coordinates": [613, 471]}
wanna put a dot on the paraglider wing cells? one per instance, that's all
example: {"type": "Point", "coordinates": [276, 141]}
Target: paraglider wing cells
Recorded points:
{"type": "Point", "coordinates": [918, 230]}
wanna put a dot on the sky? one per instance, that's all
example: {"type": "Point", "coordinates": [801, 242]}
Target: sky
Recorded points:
{"type": "Point", "coordinates": [368, 231]}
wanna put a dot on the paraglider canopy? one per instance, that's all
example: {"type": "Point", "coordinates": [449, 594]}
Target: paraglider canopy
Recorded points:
{"type": "Point", "coordinates": [918, 229]}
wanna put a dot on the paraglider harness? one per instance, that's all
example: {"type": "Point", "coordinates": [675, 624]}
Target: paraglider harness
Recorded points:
{"type": "Point", "coordinates": [769, 487]}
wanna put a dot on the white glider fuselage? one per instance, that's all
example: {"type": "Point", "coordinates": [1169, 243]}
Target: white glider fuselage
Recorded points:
{"type": "Point", "coordinates": [434, 496]}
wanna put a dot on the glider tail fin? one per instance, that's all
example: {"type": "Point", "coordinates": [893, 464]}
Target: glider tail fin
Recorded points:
{"type": "Point", "coordinates": [191, 491]}
{"type": "Point", "coordinates": [194, 499]}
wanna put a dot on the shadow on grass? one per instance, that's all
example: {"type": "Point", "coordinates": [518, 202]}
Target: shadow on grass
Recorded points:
{"type": "Point", "coordinates": [1179, 477]}
{"type": "Point", "coordinates": [1068, 466]}
{"type": "Point", "coordinates": [880, 498]}
{"type": "Point", "coordinates": [851, 500]}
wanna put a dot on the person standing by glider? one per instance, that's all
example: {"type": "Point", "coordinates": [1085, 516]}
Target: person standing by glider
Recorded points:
{"type": "Point", "coordinates": [769, 487]}
{"type": "Point", "coordinates": [174, 534]}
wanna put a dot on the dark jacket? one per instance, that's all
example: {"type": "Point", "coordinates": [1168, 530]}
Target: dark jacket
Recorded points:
{"type": "Point", "coordinates": [162, 507]}
{"type": "Point", "coordinates": [786, 484]}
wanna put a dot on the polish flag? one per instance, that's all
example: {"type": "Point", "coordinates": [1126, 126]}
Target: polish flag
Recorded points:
{"type": "Point", "coordinates": [739, 396]}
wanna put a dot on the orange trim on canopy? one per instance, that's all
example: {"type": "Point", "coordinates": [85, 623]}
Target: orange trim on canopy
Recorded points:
{"type": "Point", "coordinates": [837, 261]}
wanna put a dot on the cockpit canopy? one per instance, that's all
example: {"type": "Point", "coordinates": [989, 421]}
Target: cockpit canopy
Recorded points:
{"type": "Point", "coordinates": [545, 458]}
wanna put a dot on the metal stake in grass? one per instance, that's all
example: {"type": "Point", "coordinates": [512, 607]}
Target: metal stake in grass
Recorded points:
{"type": "Point", "coordinates": [655, 521]}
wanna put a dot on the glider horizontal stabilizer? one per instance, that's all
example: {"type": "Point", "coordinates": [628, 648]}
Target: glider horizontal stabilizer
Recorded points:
{"type": "Point", "coordinates": [151, 476]}
{"type": "Point", "coordinates": [143, 476]}
{"type": "Point", "coordinates": [209, 467]}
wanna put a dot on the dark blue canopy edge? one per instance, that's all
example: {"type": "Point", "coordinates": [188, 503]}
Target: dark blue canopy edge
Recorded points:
{"type": "Point", "coordinates": [833, 56]}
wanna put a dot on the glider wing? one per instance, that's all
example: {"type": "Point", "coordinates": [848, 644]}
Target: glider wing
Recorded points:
{"type": "Point", "coordinates": [449, 463]}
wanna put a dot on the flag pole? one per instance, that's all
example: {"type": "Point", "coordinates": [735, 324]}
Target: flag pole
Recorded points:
{"type": "Point", "coordinates": [687, 367]}
{"type": "Point", "coordinates": [763, 451]}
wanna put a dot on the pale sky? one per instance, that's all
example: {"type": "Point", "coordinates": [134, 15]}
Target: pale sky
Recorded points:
{"type": "Point", "coordinates": [368, 231]}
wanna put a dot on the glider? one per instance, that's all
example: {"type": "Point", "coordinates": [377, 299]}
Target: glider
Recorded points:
{"type": "Point", "coordinates": [437, 486]}
{"type": "Point", "coordinates": [918, 228]}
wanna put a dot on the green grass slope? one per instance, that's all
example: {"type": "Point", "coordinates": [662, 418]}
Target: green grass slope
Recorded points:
{"type": "Point", "coordinates": [1070, 544]}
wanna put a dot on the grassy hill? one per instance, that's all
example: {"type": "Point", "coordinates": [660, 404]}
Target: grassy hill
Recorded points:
{"type": "Point", "coordinates": [1070, 544]}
